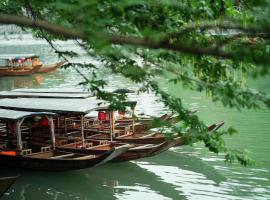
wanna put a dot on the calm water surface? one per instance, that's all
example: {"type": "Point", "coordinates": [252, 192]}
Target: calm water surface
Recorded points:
{"type": "Point", "coordinates": [188, 172]}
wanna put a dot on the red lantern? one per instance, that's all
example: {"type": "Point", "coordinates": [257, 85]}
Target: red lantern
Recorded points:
{"type": "Point", "coordinates": [101, 116]}
{"type": "Point", "coordinates": [44, 122]}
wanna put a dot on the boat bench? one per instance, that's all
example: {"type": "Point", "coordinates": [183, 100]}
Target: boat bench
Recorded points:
{"type": "Point", "coordinates": [63, 156]}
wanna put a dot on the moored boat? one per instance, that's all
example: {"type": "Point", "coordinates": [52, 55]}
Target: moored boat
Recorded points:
{"type": "Point", "coordinates": [137, 151]}
{"type": "Point", "coordinates": [16, 149]}
{"type": "Point", "coordinates": [18, 71]}
{"type": "Point", "coordinates": [148, 137]}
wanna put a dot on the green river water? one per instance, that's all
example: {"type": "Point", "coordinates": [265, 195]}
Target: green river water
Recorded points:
{"type": "Point", "coordinates": [188, 172]}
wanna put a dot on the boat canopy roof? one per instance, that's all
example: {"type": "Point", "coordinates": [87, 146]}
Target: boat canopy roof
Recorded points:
{"type": "Point", "coordinates": [11, 94]}
{"type": "Point", "coordinates": [16, 56]}
{"type": "Point", "coordinates": [6, 114]}
{"type": "Point", "coordinates": [68, 90]}
{"type": "Point", "coordinates": [56, 105]}
{"type": "Point", "coordinates": [51, 90]}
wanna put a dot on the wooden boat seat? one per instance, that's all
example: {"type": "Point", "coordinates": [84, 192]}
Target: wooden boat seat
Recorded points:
{"type": "Point", "coordinates": [148, 135]}
{"type": "Point", "coordinates": [101, 147]}
{"type": "Point", "coordinates": [46, 154]}
{"type": "Point", "coordinates": [27, 152]}
{"type": "Point", "coordinates": [142, 147]}
{"type": "Point", "coordinates": [88, 145]}
{"type": "Point", "coordinates": [72, 133]}
{"type": "Point", "coordinates": [63, 156]}
{"type": "Point", "coordinates": [85, 157]}
{"type": "Point", "coordinates": [102, 142]}
{"type": "Point", "coordinates": [125, 135]}
{"type": "Point", "coordinates": [45, 149]}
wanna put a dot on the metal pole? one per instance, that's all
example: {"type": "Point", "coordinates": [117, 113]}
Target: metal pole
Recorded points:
{"type": "Point", "coordinates": [82, 129]}
{"type": "Point", "coordinates": [52, 131]}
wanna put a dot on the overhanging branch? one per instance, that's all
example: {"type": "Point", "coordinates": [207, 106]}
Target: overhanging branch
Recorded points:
{"type": "Point", "coordinates": [113, 39]}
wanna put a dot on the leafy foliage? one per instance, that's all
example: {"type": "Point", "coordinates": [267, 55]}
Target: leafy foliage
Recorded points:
{"type": "Point", "coordinates": [205, 45]}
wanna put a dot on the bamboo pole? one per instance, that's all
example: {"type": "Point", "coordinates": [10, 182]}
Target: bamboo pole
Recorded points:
{"type": "Point", "coordinates": [133, 120]}
{"type": "Point", "coordinates": [82, 129]}
{"type": "Point", "coordinates": [112, 124]}
{"type": "Point", "coordinates": [19, 136]}
{"type": "Point", "coordinates": [58, 125]}
{"type": "Point", "coordinates": [65, 124]}
{"type": "Point", "coordinates": [52, 131]}
{"type": "Point", "coordinates": [7, 128]}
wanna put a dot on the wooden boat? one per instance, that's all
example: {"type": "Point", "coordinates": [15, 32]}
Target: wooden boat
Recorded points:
{"type": "Point", "coordinates": [80, 127]}
{"type": "Point", "coordinates": [19, 71]}
{"type": "Point", "coordinates": [24, 64]}
{"type": "Point", "coordinates": [51, 67]}
{"type": "Point", "coordinates": [147, 150]}
{"type": "Point", "coordinates": [6, 183]}
{"type": "Point", "coordinates": [143, 123]}
{"type": "Point", "coordinates": [137, 151]}
{"type": "Point", "coordinates": [14, 153]}
{"type": "Point", "coordinates": [52, 160]}
{"type": "Point", "coordinates": [149, 137]}
{"type": "Point", "coordinates": [19, 65]}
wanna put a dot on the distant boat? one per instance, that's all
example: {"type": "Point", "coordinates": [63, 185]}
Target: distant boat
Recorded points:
{"type": "Point", "coordinates": [6, 183]}
{"type": "Point", "coordinates": [19, 71]}
{"type": "Point", "coordinates": [24, 64]}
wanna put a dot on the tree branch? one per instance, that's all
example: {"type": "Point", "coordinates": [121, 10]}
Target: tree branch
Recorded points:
{"type": "Point", "coordinates": [116, 39]}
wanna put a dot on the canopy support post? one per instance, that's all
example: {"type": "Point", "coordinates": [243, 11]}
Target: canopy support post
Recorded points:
{"type": "Point", "coordinates": [112, 124]}
{"type": "Point", "coordinates": [133, 120]}
{"type": "Point", "coordinates": [58, 125]}
{"type": "Point", "coordinates": [82, 129]}
{"type": "Point", "coordinates": [52, 131]}
{"type": "Point", "coordinates": [7, 129]}
{"type": "Point", "coordinates": [65, 124]}
{"type": "Point", "coordinates": [19, 136]}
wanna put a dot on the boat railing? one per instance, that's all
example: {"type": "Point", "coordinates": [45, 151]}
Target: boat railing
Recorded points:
{"type": "Point", "coordinates": [26, 152]}
{"type": "Point", "coordinates": [45, 149]}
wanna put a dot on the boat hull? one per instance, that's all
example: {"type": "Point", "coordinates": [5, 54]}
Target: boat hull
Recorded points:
{"type": "Point", "coordinates": [137, 153]}
{"type": "Point", "coordinates": [50, 68]}
{"type": "Point", "coordinates": [48, 164]}
{"type": "Point", "coordinates": [19, 72]}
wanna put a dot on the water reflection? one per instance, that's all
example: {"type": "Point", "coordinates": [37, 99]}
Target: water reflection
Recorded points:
{"type": "Point", "coordinates": [33, 81]}
{"type": "Point", "coordinates": [7, 83]}
{"type": "Point", "coordinates": [111, 181]}
{"type": "Point", "coordinates": [173, 177]}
